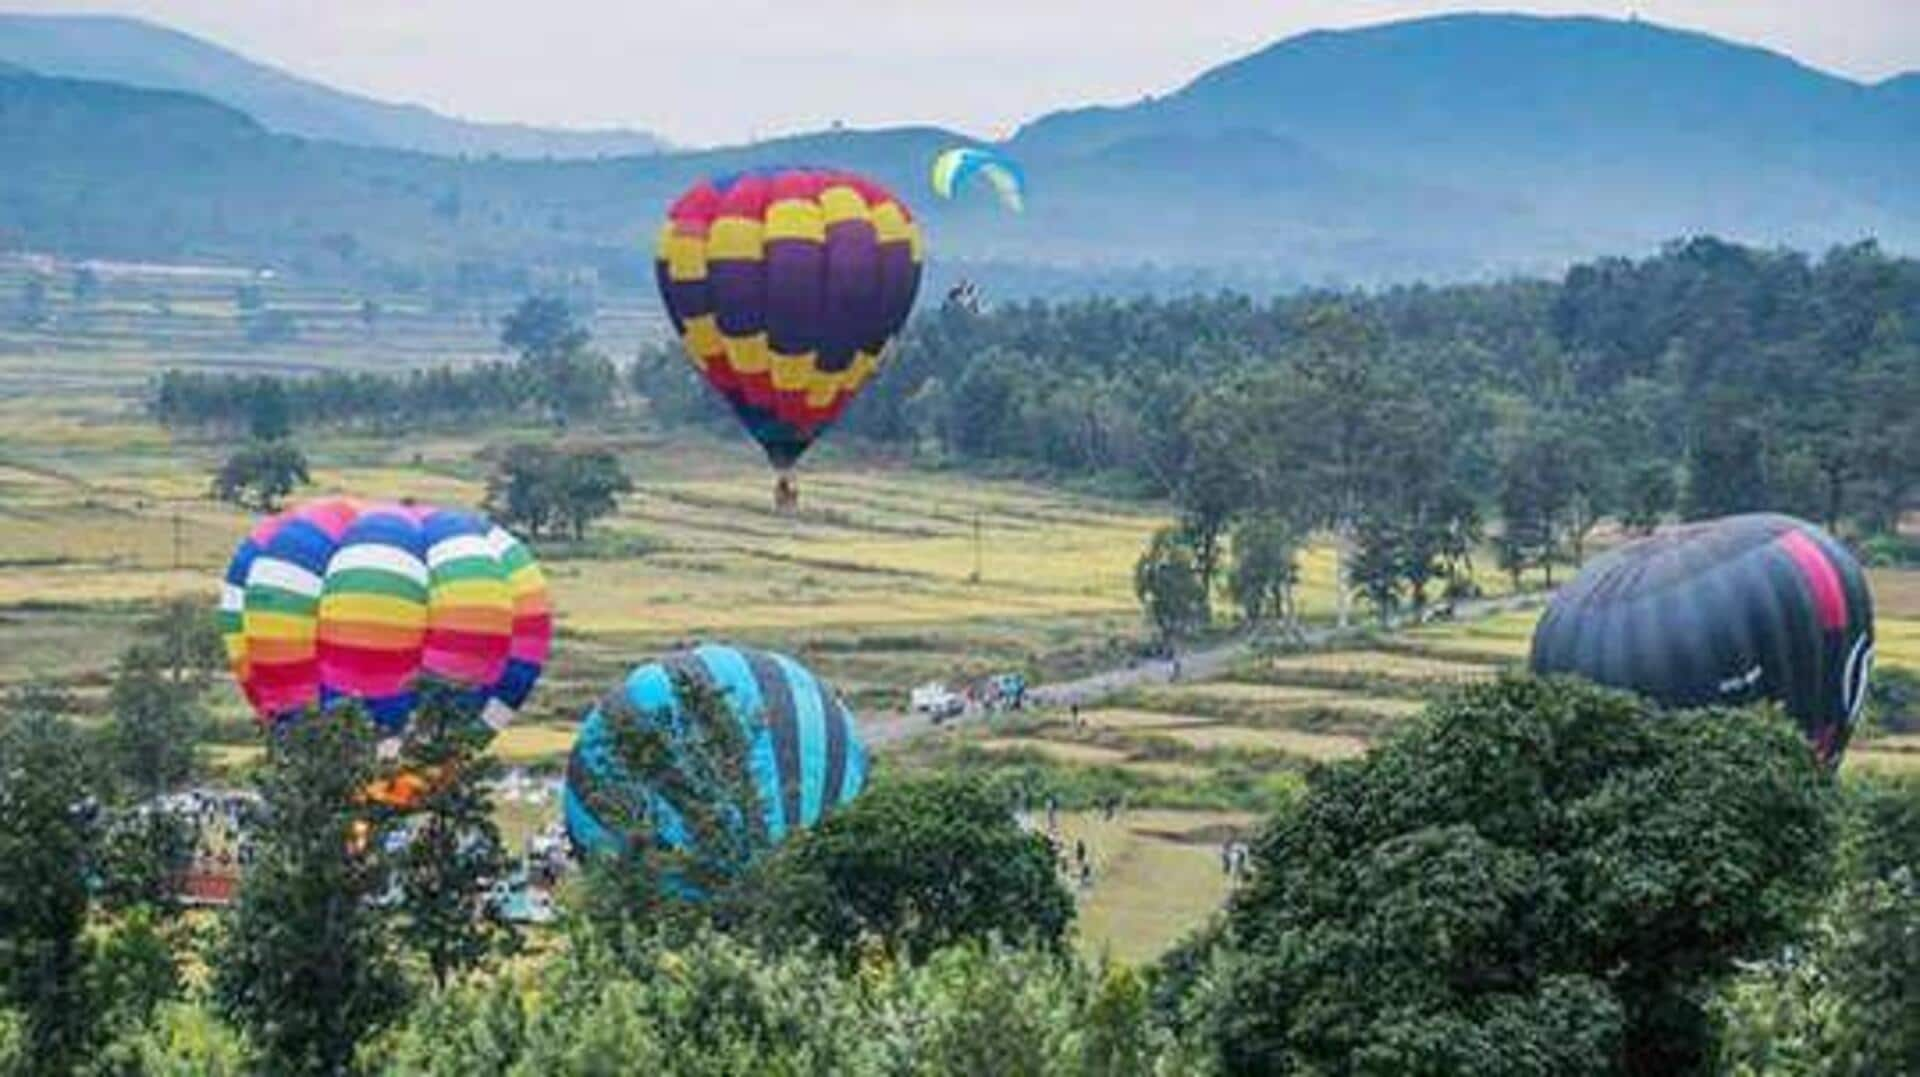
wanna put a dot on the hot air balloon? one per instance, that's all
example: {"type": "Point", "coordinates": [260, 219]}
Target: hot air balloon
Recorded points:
{"type": "Point", "coordinates": [1729, 611]}
{"type": "Point", "coordinates": [803, 753]}
{"type": "Point", "coordinates": [785, 285]}
{"type": "Point", "coordinates": [954, 167]}
{"type": "Point", "coordinates": [339, 599]}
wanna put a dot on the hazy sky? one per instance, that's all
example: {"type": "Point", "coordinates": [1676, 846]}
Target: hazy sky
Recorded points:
{"type": "Point", "coordinates": [716, 71]}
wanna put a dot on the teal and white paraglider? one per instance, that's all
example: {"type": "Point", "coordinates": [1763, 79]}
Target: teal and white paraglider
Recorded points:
{"type": "Point", "coordinates": [954, 167]}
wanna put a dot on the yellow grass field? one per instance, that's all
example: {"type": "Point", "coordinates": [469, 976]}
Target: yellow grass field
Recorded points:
{"type": "Point", "coordinates": [1060, 751]}
{"type": "Point", "coordinates": [1156, 876]}
{"type": "Point", "coordinates": [1316, 746]}
{"type": "Point", "coordinates": [1380, 664]}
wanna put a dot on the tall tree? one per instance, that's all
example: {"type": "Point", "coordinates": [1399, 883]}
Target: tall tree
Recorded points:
{"type": "Point", "coordinates": [454, 851]}
{"type": "Point", "coordinates": [156, 724]}
{"type": "Point", "coordinates": [306, 964]}
{"type": "Point", "coordinates": [1325, 421]}
{"type": "Point", "coordinates": [1266, 568]}
{"type": "Point", "coordinates": [1536, 876]}
{"type": "Point", "coordinates": [914, 867]}
{"type": "Point", "coordinates": [261, 475]}
{"type": "Point", "coordinates": [1169, 588]}
{"type": "Point", "coordinates": [591, 482]}
{"type": "Point", "coordinates": [47, 812]}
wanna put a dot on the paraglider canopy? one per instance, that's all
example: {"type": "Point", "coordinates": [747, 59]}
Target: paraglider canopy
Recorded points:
{"type": "Point", "coordinates": [953, 168]}
{"type": "Point", "coordinates": [1729, 611]}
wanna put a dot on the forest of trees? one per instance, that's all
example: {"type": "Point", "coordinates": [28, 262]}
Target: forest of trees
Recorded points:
{"type": "Point", "coordinates": [1417, 424]}
{"type": "Point", "coordinates": [1535, 877]}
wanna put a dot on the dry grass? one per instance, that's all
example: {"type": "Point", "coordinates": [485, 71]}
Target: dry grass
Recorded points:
{"type": "Point", "coordinates": [1156, 877]}
{"type": "Point", "coordinates": [1896, 592]}
{"type": "Point", "coordinates": [1289, 741]}
{"type": "Point", "coordinates": [526, 743]}
{"type": "Point", "coordinates": [1128, 720]}
{"type": "Point", "coordinates": [1280, 695]}
{"type": "Point", "coordinates": [1380, 664]}
{"type": "Point", "coordinates": [1897, 642]}
{"type": "Point", "coordinates": [1088, 755]}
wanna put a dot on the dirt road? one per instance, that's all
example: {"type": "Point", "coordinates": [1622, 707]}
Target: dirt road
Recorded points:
{"type": "Point", "coordinates": [1200, 665]}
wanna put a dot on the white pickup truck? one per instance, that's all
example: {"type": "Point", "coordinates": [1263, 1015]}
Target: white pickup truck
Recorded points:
{"type": "Point", "coordinates": [936, 701]}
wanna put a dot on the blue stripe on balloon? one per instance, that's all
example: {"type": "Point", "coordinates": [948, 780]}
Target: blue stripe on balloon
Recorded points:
{"type": "Point", "coordinates": [243, 557]}
{"type": "Point", "coordinates": [730, 670]}
{"type": "Point", "coordinates": [810, 720]}
{"type": "Point", "coordinates": [303, 544]}
{"type": "Point", "coordinates": [650, 691]}
{"type": "Point", "coordinates": [585, 830]}
{"type": "Point", "coordinates": [854, 778]}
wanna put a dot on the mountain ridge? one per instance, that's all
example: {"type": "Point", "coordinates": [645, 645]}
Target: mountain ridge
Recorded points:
{"type": "Point", "coordinates": [114, 48]}
{"type": "Point", "coordinates": [1386, 154]}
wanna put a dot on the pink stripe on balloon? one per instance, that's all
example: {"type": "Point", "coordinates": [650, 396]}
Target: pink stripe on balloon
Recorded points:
{"type": "Point", "coordinates": [1829, 597]}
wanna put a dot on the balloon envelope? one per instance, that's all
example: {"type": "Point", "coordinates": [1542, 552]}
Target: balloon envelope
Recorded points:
{"type": "Point", "coordinates": [954, 167]}
{"type": "Point", "coordinates": [785, 286]}
{"type": "Point", "coordinates": [804, 756]}
{"type": "Point", "coordinates": [1727, 611]}
{"type": "Point", "coordinates": [340, 599]}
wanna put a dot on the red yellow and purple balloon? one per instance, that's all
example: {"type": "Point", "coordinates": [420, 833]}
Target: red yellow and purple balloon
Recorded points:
{"type": "Point", "coordinates": [785, 284]}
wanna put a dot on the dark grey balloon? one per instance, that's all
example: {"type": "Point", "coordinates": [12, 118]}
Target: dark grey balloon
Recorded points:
{"type": "Point", "coordinates": [1725, 611]}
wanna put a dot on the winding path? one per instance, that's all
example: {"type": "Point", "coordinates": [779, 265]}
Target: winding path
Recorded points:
{"type": "Point", "coordinates": [1200, 665]}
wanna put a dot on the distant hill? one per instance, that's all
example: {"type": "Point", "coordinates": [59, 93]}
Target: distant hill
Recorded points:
{"type": "Point", "coordinates": [1621, 129]}
{"type": "Point", "coordinates": [114, 49]}
{"type": "Point", "coordinates": [1438, 149]}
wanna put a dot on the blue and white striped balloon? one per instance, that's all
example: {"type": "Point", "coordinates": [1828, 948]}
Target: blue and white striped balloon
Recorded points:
{"type": "Point", "coordinates": [804, 754]}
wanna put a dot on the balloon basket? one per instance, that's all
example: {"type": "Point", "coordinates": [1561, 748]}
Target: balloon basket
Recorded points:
{"type": "Point", "coordinates": [786, 494]}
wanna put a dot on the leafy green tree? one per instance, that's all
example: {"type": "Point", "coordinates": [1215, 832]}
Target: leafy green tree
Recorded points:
{"type": "Point", "coordinates": [521, 490]}
{"type": "Point", "coordinates": [1328, 421]}
{"type": "Point", "coordinates": [542, 326]}
{"type": "Point", "coordinates": [911, 867]}
{"type": "Point", "coordinates": [1535, 877]}
{"type": "Point", "coordinates": [1213, 486]}
{"type": "Point", "coordinates": [156, 723]}
{"type": "Point", "coordinates": [1169, 588]}
{"type": "Point", "coordinates": [454, 851]}
{"type": "Point", "coordinates": [1886, 426]}
{"type": "Point", "coordinates": [1726, 463]}
{"type": "Point", "coordinates": [1265, 568]}
{"type": "Point", "coordinates": [181, 1040]}
{"type": "Point", "coordinates": [134, 970]}
{"type": "Point", "coordinates": [1374, 570]}
{"type": "Point", "coordinates": [306, 964]}
{"type": "Point", "coordinates": [591, 483]}
{"type": "Point", "coordinates": [700, 768]}
{"type": "Point", "coordinates": [184, 635]}
{"type": "Point", "coordinates": [261, 475]}
{"type": "Point", "coordinates": [46, 844]}
{"type": "Point", "coordinates": [1648, 496]}
{"type": "Point", "coordinates": [139, 859]}
{"type": "Point", "coordinates": [269, 417]}
{"type": "Point", "coordinates": [1875, 959]}
{"type": "Point", "coordinates": [538, 487]}
{"type": "Point", "coordinates": [570, 380]}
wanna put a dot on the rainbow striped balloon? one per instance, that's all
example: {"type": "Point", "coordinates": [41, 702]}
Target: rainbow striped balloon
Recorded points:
{"type": "Point", "coordinates": [339, 599]}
